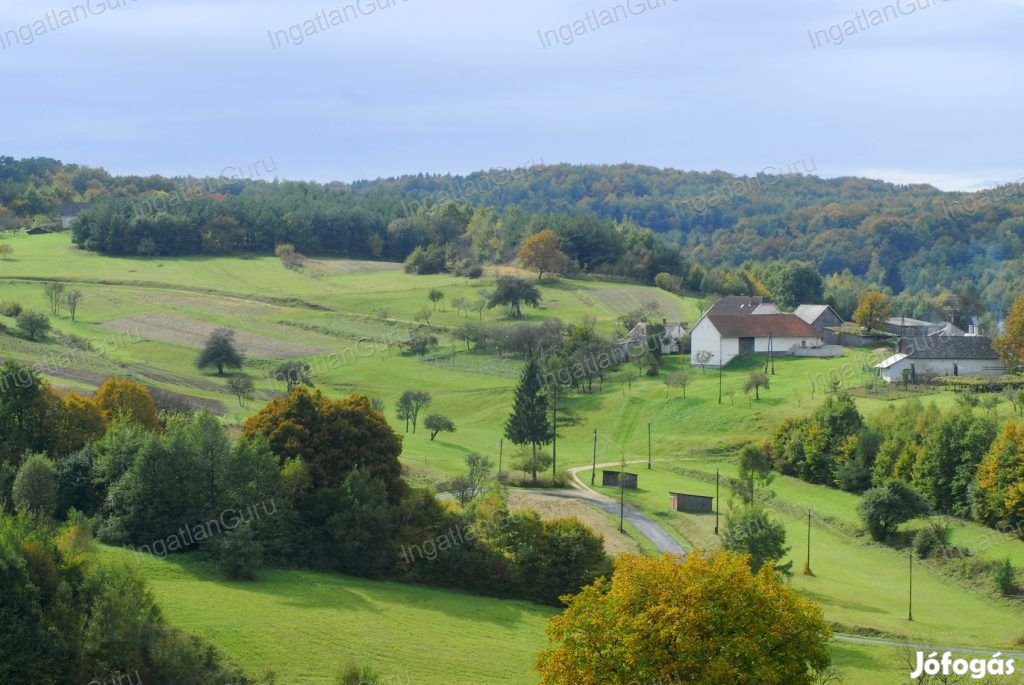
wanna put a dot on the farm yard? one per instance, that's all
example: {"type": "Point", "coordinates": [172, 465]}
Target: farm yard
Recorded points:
{"type": "Point", "coordinates": [347, 320]}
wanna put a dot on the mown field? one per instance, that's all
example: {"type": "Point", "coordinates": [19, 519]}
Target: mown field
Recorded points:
{"type": "Point", "coordinates": [146, 317]}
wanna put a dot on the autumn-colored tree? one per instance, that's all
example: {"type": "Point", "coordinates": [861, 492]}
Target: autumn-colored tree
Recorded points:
{"type": "Point", "coordinates": [332, 436]}
{"type": "Point", "coordinates": [706, 620]}
{"type": "Point", "coordinates": [122, 397]}
{"type": "Point", "coordinates": [541, 253]}
{"type": "Point", "coordinates": [1000, 497]}
{"type": "Point", "coordinates": [83, 422]}
{"type": "Point", "coordinates": [1010, 345]}
{"type": "Point", "coordinates": [873, 310]}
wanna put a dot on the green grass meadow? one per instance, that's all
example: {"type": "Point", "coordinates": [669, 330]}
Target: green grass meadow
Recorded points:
{"type": "Point", "coordinates": [306, 625]}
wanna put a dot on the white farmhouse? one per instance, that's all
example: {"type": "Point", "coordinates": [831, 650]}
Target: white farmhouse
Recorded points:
{"type": "Point", "coordinates": [942, 355]}
{"type": "Point", "coordinates": [726, 336]}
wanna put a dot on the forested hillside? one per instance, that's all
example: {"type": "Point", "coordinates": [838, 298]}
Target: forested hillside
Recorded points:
{"type": "Point", "coordinates": [714, 231]}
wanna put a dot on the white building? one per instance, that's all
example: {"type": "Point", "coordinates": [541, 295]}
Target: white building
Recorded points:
{"type": "Point", "coordinates": [942, 355]}
{"type": "Point", "coordinates": [726, 336]}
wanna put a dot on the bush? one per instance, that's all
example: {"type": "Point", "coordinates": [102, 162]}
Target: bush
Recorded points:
{"type": "Point", "coordinates": [884, 509]}
{"type": "Point", "coordinates": [357, 675]}
{"type": "Point", "coordinates": [33, 324]}
{"type": "Point", "coordinates": [239, 554]}
{"type": "Point", "coordinates": [10, 309]}
{"type": "Point", "coordinates": [932, 540]}
{"type": "Point", "coordinates": [425, 260]}
{"type": "Point", "coordinates": [1005, 577]}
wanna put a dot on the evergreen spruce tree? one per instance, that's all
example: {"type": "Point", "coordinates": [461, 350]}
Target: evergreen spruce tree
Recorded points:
{"type": "Point", "coordinates": [528, 424]}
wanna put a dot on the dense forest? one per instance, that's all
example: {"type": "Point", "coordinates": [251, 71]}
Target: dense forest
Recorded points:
{"type": "Point", "coordinates": [714, 231]}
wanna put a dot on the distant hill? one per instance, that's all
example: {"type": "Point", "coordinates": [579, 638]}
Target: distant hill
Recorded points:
{"type": "Point", "coordinates": [713, 229]}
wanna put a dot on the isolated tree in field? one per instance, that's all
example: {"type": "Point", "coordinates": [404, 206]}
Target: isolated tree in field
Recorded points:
{"type": "Point", "coordinates": [703, 358]}
{"type": "Point", "coordinates": [755, 471]}
{"type": "Point", "coordinates": [33, 324]}
{"type": "Point", "coordinates": [873, 311]}
{"type": "Point", "coordinates": [35, 488]}
{"type": "Point", "coordinates": [424, 314]}
{"type": "Point", "coordinates": [513, 293]}
{"type": "Point", "coordinates": [528, 423]}
{"type": "Point", "coordinates": [220, 351]}
{"type": "Point", "coordinates": [55, 296]}
{"type": "Point", "coordinates": [460, 304]}
{"type": "Point", "coordinates": [409, 406]}
{"type": "Point", "coordinates": [751, 531]}
{"type": "Point", "coordinates": [1010, 345]}
{"type": "Point", "coordinates": [479, 305]}
{"type": "Point", "coordinates": [293, 374]}
{"type": "Point", "coordinates": [884, 509]}
{"type": "Point", "coordinates": [435, 296]}
{"type": "Point", "coordinates": [420, 342]}
{"type": "Point", "coordinates": [438, 423]}
{"type": "Point", "coordinates": [678, 379]}
{"type": "Point", "coordinates": [540, 252]}
{"type": "Point", "coordinates": [72, 300]}
{"type": "Point", "coordinates": [659, 620]}
{"type": "Point", "coordinates": [241, 386]}
{"type": "Point", "coordinates": [120, 397]}
{"type": "Point", "coordinates": [755, 381]}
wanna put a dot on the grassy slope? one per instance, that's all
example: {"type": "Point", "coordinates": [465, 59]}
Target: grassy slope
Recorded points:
{"type": "Point", "coordinates": [306, 625]}
{"type": "Point", "coordinates": [476, 391]}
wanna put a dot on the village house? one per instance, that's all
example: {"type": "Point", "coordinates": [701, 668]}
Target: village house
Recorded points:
{"type": "Point", "coordinates": [819, 316]}
{"type": "Point", "coordinates": [671, 339]}
{"type": "Point", "coordinates": [747, 325]}
{"type": "Point", "coordinates": [941, 355]}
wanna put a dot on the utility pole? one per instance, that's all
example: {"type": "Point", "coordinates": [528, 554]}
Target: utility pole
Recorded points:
{"type": "Point", "coordinates": [593, 472]}
{"type": "Point", "coordinates": [721, 364]}
{"type": "Point", "coordinates": [648, 447]}
{"type": "Point", "coordinates": [807, 566]}
{"type": "Point", "coordinates": [910, 601]}
{"type": "Point", "coordinates": [716, 500]}
{"type": "Point", "coordinates": [771, 350]}
{"type": "Point", "coordinates": [622, 493]}
{"type": "Point", "coordinates": [554, 436]}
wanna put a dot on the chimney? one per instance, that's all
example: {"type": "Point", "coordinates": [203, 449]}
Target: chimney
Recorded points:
{"type": "Point", "coordinates": [972, 330]}
{"type": "Point", "coordinates": [664, 322]}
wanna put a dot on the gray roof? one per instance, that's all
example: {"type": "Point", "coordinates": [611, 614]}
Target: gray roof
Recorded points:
{"type": "Point", "coordinates": [737, 304]}
{"type": "Point", "coordinates": [949, 347]}
{"type": "Point", "coordinates": [811, 312]}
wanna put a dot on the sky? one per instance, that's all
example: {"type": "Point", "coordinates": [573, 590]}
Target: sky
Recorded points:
{"type": "Point", "coordinates": [907, 91]}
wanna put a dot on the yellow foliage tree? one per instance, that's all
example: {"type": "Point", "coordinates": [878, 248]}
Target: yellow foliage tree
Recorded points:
{"type": "Point", "coordinates": [873, 310]}
{"type": "Point", "coordinates": [706, 620]}
{"type": "Point", "coordinates": [1000, 499]}
{"type": "Point", "coordinates": [1010, 345]}
{"type": "Point", "coordinates": [83, 422]}
{"type": "Point", "coordinates": [119, 396]}
{"type": "Point", "coordinates": [541, 253]}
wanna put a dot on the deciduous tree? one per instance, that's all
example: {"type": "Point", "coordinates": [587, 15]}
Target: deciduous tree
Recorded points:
{"type": "Point", "coordinates": [705, 620]}
{"type": "Point", "coordinates": [1010, 344]}
{"type": "Point", "coordinates": [540, 252]}
{"type": "Point", "coordinates": [220, 351]}
{"type": "Point", "coordinates": [513, 293]}
{"type": "Point", "coordinates": [873, 311]}
{"type": "Point", "coordinates": [437, 423]}
{"type": "Point", "coordinates": [122, 397]}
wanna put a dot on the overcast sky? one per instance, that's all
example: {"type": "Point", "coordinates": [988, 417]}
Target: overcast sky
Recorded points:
{"type": "Point", "coordinates": [185, 87]}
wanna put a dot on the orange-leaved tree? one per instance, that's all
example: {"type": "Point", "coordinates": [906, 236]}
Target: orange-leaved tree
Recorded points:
{"type": "Point", "coordinates": [122, 397]}
{"type": "Point", "coordinates": [82, 422]}
{"type": "Point", "coordinates": [1000, 497]}
{"type": "Point", "coordinates": [332, 436]}
{"type": "Point", "coordinates": [704, 620]}
{"type": "Point", "coordinates": [1010, 345]}
{"type": "Point", "coordinates": [540, 252]}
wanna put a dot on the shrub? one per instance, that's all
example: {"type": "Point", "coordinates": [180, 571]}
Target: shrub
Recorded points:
{"type": "Point", "coordinates": [883, 509]}
{"type": "Point", "coordinates": [932, 540]}
{"type": "Point", "coordinates": [1005, 577]}
{"type": "Point", "coordinates": [357, 675]}
{"type": "Point", "coordinates": [33, 324]}
{"type": "Point", "coordinates": [239, 554]}
{"type": "Point", "coordinates": [10, 309]}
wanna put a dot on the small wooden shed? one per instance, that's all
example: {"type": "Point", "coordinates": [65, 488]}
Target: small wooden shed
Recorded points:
{"type": "Point", "coordinates": [694, 504]}
{"type": "Point", "coordinates": [610, 479]}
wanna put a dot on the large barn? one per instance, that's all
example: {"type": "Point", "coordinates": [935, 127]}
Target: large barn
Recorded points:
{"type": "Point", "coordinates": [743, 327]}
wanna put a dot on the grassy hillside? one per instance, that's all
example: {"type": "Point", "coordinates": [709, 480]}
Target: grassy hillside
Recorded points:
{"type": "Point", "coordinates": [307, 625]}
{"type": "Point", "coordinates": [145, 318]}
